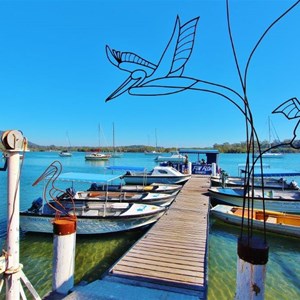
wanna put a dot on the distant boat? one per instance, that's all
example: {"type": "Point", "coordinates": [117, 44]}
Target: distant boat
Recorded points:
{"type": "Point", "coordinates": [287, 224]}
{"type": "Point", "coordinates": [96, 156]}
{"type": "Point", "coordinates": [270, 154]}
{"type": "Point", "coordinates": [154, 152]}
{"type": "Point", "coordinates": [65, 153]}
{"type": "Point", "coordinates": [174, 158]}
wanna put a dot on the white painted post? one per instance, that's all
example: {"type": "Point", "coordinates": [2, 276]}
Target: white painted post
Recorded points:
{"type": "Point", "coordinates": [251, 268]}
{"type": "Point", "coordinates": [13, 234]}
{"type": "Point", "coordinates": [190, 167]}
{"type": "Point", "coordinates": [64, 255]}
{"type": "Point", "coordinates": [213, 169]}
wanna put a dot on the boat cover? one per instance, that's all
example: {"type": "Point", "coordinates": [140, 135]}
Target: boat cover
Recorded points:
{"type": "Point", "coordinates": [88, 177]}
{"type": "Point", "coordinates": [270, 172]}
{"type": "Point", "coordinates": [126, 168]}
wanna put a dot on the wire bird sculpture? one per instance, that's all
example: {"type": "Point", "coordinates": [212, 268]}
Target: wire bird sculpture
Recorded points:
{"type": "Point", "coordinates": [51, 174]}
{"type": "Point", "coordinates": [166, 78]}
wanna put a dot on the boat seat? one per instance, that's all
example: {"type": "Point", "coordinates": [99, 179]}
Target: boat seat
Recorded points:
{"type": "Point", "coordinates": [272, 220]}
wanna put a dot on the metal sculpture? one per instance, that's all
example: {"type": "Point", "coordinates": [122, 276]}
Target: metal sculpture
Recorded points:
{"type": "Point", "coordinates": [166, 77]}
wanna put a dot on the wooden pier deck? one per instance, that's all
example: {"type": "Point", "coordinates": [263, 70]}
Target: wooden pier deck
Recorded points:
{"type": "Point", "coordinates": [171, 259]}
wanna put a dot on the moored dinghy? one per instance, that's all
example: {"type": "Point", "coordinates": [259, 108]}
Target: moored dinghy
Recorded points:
{"type": "Point", "coordinates": [287, 224]}
{"type": "Point", "coordinates": [92, 217]}
{"type": "Point", "coordinates": [281, 201]}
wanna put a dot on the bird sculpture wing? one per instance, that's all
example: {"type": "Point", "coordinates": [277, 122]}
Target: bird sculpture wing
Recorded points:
{"type": "Point", "coordinates": [290, 108]}
{"type": "Point", "coordinates": [178, 50]}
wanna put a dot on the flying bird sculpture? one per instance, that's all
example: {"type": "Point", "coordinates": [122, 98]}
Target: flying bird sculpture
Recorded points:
{"type": "Point", "coordinates": [163, 78]}
{"type": "Point", "coordinates": [166, 77]}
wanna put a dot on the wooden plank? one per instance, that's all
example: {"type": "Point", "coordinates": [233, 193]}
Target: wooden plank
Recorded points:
{"type": "Point", "coordinates": [154, 274]}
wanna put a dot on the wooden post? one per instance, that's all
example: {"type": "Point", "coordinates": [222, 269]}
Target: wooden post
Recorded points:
{"type": "Point", "coordinates": [251, 268]}
{"type": "Point", "coordinates": [64, 230]}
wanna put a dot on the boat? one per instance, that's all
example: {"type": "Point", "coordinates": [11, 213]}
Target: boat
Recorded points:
{"type": "Point", "coordinates": [282, 223]}
{"type": "Point", "coordinates": [153, 152]}
{"type": "Point", "coordinates": [65, 153]}
{"type": "Point", "coordinates": [174, 158]}
{"type": "Point", "coordinates": [92, 217]}
{"type": "Point", "coordinates": [96, 156]}
{"type": "Point", "coordinates": [151, 188]}
{"type": "Point", "coordinates": [270, 153]}
{"type": "Point", "coordinates": [159, 174]}
{"type": "Point", "coordinates": [276, 200]}
{"type": "Point", "coordinates": [269, 183]}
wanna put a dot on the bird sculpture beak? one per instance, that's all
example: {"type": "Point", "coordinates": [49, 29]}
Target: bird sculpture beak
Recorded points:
{"type": "Point", "coordinates": [124, 87]}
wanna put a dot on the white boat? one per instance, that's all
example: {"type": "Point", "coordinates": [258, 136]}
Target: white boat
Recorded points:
{"type": "Point", "coordinates": [93, 218]}
{"type": "Point", "coordinates": [287, 224]}
{"type": "Point", "coordinates": [94, 215]}
{"type": "Point", "coordinates": [269, 183]}
{"type": "Point", "coordinates": [152, 152]}
{"type": "Point", "coordinates": [174, 158]}
{"type": "Point", "coordinates": [276, 200]}
{"type": "Point", "coordinates": [96, 156]}
{"type": "Point", "coordinates": [159, 174]}
{"type": "Point", "coordinates": [151, 188]}
{"type": "Point", "coordinates": [65, 153]}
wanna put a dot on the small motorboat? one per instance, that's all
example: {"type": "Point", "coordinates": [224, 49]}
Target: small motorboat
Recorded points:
{"type": "Point", "coordinates": [276, 200]}
{"type": "Point", "coordinates": [92, 217]}
{"type": "Point", "coordinates": [159, 174]}
{"type": "Point", "coordinates": [287, 224]}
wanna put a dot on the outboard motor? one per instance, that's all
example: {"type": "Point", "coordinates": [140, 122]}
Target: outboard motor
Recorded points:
{"type": "Point", "coordinates": [70, 192]}
{"type": "Point", "coordinates": [36, 205]}
{"type": "Point", "coordinates": [94, 187]}
{"type": "Point", "coordinates": [294, 185]}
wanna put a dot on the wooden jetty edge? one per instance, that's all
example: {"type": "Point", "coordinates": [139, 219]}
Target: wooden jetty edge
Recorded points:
{"type": "Point", "coordinates": [170, 260]}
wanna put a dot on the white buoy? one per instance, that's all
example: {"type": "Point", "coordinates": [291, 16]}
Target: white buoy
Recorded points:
{"type": "Point", "coordinates": [251, 268]}
{"type": "Point", "coordinates": [64, 230]}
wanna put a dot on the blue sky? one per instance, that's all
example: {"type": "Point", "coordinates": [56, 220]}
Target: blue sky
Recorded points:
{"type": "Point", "coordinates": [55, 76]}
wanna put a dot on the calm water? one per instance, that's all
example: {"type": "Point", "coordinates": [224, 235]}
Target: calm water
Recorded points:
{"type": "Point", "coordinates": [94, 255]}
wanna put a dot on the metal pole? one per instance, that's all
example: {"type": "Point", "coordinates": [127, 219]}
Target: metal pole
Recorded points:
{"type": "Point", "coordinates": [13, 242]}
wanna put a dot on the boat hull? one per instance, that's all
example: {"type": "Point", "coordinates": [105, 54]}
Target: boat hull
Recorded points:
{"type": "Point", "coordinates": [223, 212]}
{"type": "Point", "coordinates": [235, 197]}
{"type": "Point", "coordinates": [140, 179]}
{"type": "Point", "coordinates": [88, 224]}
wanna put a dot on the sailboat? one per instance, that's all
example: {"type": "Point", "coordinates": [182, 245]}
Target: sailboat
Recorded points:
{"type": "Point", "coordinates": [271, 154]}
{"type": "Point", "coordinates": [66, 153]}
{"type": "Point", "coordinates": [154, 152]}
{"type": "Point", "coordinates": [115, 153]}
{"type": "Point", "coordinates": [98, 156]}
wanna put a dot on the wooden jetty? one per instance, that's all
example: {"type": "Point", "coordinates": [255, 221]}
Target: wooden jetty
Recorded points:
{"type": "Point", "coordinates": [169, 261]}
